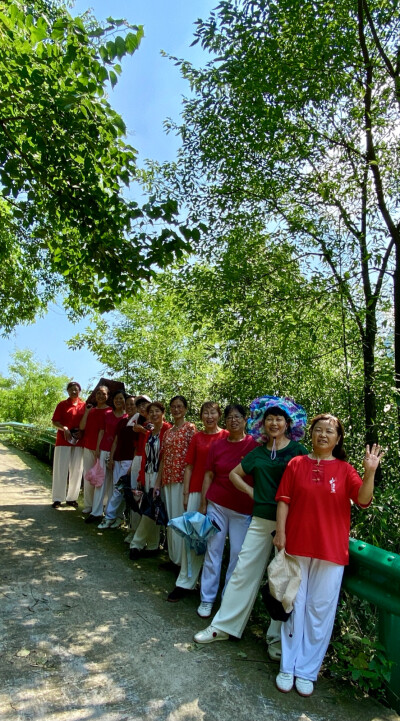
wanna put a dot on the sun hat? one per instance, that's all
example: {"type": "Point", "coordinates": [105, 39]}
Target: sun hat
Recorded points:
{"type": "Point", "coordinates": [296, 413]}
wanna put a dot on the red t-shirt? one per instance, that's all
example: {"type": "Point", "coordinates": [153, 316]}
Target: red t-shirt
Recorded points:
{"type": "Point", "coordinates": [318, 522]}
{"type": "Point", "coordinates": [222, 458]}
{"type": "Point", "coordinates": [197, 456]}
{"type": "Point", "coordinates": [110, 428]}
{"type": "Point", "coordinates": [68, 413]}
{"type": "Point", "coordinates": [94, 424]}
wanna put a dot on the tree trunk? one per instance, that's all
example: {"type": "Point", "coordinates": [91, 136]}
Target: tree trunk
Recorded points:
{"type": "Point", "coordinates": [371, 433]}
{"type": "Point", "coordinates": [396, 304]}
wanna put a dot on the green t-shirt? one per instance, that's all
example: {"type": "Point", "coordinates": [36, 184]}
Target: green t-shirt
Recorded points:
{"type": "Point", "coordinates": [267, 474]}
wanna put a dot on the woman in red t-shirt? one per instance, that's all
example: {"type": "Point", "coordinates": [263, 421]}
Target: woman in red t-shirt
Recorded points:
{"type": "Point", "coordinates": [313, 524]}
{"type": "Point", "coordinates": [229, 508]}
{"type": "Point", "coordinates": [196, 466]}
{"type": "Point", "coordinates": [105, 440]}
{"type": "Point", "coordinates": [68, 453]}
{"type": "Point", "coordinates": [92, 422]}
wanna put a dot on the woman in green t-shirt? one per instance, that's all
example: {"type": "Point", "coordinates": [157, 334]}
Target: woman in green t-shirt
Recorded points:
{"type": "Point", "coordinates": [278, 424]}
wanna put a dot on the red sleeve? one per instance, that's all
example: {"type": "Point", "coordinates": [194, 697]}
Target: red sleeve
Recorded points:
{"type": "Point", "coordinates": [58, 415]}
{"type": "Point", "coordinates": [285, 488]}
{"type": "Point", "coordinates": [191, 452]}
{"type": "Point", "coordinates": [354, 483]}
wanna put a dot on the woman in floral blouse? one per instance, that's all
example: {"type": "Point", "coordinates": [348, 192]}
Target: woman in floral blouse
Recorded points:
{"type": "Point", "coordinates": [172, 468]}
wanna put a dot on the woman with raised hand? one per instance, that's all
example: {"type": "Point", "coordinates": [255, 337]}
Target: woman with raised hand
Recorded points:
{"type": "Point", "coordinates": [277, 424]}
{"type": "Point", "coordinates": [313, 524]}
{"type": "Point", "coordinates": [196, 463]}
{"type": "Point", "coordinates": [68, 452]}
{"type": "Point", "coordinates": [172, 468]}
{"type": "Point", "coordinates": [91, 423]}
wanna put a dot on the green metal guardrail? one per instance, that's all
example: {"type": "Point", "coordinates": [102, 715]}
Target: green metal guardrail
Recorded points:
{"type": "Point", "coordinates": [374, 575]}
{"type": "Point", "coordinates": [46, 435]}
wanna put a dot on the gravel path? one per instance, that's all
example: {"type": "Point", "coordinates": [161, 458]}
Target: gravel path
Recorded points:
{"type": "Point", "coordinates": [87, 634]}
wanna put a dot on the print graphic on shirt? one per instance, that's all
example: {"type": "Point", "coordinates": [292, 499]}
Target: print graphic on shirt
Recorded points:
{"type": "Point", "coordinates": [333, 485]}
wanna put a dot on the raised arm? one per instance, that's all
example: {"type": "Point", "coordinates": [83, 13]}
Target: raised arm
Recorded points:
{"type": "Point", "coordinates": [372, 459]}
{"type": "Point", "coordinates": [237, 478]}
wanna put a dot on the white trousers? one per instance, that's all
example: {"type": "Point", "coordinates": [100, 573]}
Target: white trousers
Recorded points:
{"type": "Point", "coordinates": [233, 524]}
{"type": "Point", "coordinates": [173, 499]}
{"type": "Point", "coordinates": [241, 591]}
{"type": "Point", "coordinates": [183, 580]}
{"type": "Point", "coordinates": [67, 466]}
{"type": "Point", "coordinates": [92, 497]}
{"type": "Point", "coordinates": [147, 534]}
{"type": "Point", "coordinates": [306, 634]}
{"type": "Point", "coordinates": [102, 494]}
{"type": "Point", "coordinates": [116, 504]}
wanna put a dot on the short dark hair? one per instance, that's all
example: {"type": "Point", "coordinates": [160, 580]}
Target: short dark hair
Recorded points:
{"type": "Point", "coordinates": [338, 451]}
{"type": "Point", "coordinates": [276, 411]}
{"type": "Point", "coordinates": [179, 398]}
{"type": "Point", "coordinates": [156, 404]}
{"type": "Point", "coordinates": [235, 407]}
{"type": "Point", "coordinates": [74, 383]}
{"type": "Point", "coordinates": [210, 404]}
{"type": "Point", "coordinates": [141, 399]}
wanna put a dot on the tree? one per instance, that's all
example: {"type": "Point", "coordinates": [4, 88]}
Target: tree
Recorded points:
{"type": "Point", "coordinates": [31, 391]}
{"type": "Point", "coordinates": [67, 224]}
{"type": "Point", "coordinates": [151, 345]}
{"type": "Point", "coordinates": [294, 121]}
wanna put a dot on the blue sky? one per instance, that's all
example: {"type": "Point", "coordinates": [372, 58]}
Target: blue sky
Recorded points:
{"type": "Point", "coordinates": [149, 90]}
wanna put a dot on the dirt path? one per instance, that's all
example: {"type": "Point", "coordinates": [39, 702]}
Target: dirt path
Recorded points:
{"type": "Point", "coordinates": [87, 634]}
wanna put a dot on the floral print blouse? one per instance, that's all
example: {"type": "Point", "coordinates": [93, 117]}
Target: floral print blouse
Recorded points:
{"type": "Point", "coordinates": [174, 448]}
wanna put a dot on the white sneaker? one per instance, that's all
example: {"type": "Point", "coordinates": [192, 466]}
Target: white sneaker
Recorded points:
{"type": "Point", "coordinates": [304, 687]}
{"type": "Point", "coordinates": [129, 537]}
{"type": "Point", "coordinates": [210, 634]}
{"type": "Point", "coordinates": [106, 523]}
{"type": "Point", "coordinates": [116, 523]}
{"type": "Point", "coordinates": [284, 682]}
{"type": "Point", "coordinates": [205, 609]}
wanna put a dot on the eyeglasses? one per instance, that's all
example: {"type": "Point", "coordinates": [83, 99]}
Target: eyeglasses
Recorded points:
{"type": "Point", "coordinates": [234, 418]}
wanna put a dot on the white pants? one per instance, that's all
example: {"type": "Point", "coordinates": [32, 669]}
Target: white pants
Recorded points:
{"type": "Point", "coordinates": [116, 504]}
{"type": "Point", "coordinates": [233, 524]}
{"type": "Point", "coordinates": [173, 499]}
{"type": "Point", "coordinates": [241, 591]}
{"type": "Point", "coordinates": [102, 494]}
{"type": "Point", "coordinates": [92, 497]}
{"type": "Point", "coordinates": [147, 533]}
{"type": "Point", "coordinates": [306, 634]}
{"type": "Point", "coordinates": [67, 465]}
{"type": "Point", "coordinates": [183, 580]}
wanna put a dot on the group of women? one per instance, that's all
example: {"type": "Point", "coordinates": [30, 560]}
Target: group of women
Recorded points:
{"type": "Point", "coordinates": [257, 483]}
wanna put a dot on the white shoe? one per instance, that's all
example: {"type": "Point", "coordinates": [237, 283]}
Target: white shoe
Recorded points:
{"type": "Point", "coordinates": [284, 682]}
{"type": "Point", "coordinates": [106, 523]}
{"type": "Point", "coordinates": [210, 634]}
{"type": "Point", "coordinates": [304, 687]}
{"type": "Point", "coordinates": [275, 651]}
{"type": "Point", "coordinates": [205, 609]}
{"type": "Point", "coordinates": [117, 523]}
{"type": "Point", "coordinates": [129, 537]}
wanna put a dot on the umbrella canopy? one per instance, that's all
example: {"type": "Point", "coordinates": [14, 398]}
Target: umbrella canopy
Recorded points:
{"type": "Point", "coordinates": [196, 529]}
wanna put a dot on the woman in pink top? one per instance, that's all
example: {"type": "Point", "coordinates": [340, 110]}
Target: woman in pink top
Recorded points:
{"type": "Point", "coordinates": [313, 524]}
{"type": "Point", "coordinates": [196, 464]}
{"type": "Point", "coordinates": [172, 468]}
{"type": "Point", "coordinates": [229, 508]}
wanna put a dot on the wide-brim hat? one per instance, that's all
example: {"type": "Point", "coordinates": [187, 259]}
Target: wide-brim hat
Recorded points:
{"type": "Point", "coordinates": [296, 413]}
